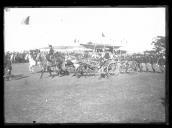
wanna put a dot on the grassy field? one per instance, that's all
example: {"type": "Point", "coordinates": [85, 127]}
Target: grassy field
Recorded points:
{"type": "Point", "coordinates": [126, 98]}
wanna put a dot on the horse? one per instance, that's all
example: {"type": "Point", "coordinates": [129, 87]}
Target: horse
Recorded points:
{"type": "Point", "coordinates": [32, 62]}
{"type": "Point", "coordinates": [47, 63]}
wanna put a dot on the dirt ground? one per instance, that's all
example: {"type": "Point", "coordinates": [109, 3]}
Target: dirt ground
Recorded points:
{"type": "Point", "coordinates": [126, 98]}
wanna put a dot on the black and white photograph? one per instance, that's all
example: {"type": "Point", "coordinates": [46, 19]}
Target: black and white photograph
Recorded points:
{"type": "Point", "coordinates": [85, 65]}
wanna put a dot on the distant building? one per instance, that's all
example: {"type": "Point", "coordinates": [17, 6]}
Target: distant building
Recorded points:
{"type": "Point", "coordinates": [65, 49]}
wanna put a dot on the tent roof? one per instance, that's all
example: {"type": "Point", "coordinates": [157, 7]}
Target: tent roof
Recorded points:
{"type": "Point", "coordinates": [91, 46]}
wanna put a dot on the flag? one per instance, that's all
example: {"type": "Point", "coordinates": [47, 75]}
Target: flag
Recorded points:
{"type": "Point", "coordinates": [103, 34]}
{"type": "Point", "coordinates": [74, 40]}
{"type": "Point", "coordinates": [26, 20]}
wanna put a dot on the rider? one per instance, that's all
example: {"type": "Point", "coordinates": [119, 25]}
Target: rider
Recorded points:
{"type": "Point", "coordinates": [106, 56]}
{"type": "Point", "coordinates": [51, 52]}
{"type": "Point", "coordinates": [37, 54]}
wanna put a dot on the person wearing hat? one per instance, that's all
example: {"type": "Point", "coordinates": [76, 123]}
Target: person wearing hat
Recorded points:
{"type": "Point", "coordinates": [51, 52]}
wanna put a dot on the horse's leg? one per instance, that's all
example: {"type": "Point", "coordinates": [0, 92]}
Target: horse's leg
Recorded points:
{"type": "Point", "coordinates": [63, 72]}
{"type": "Point", "coordinates": [8, 74]}
{"type": "Point", "coordinates": [66, 72]}
{"type": "Point", "coordinates": [77, 71]}
{"type": "Point", "coordinates": [30, 68]}
{"type": "Point", "coordinates": [86, 72]}
{"type": "Point", "coordinates": [80, 72]}
{"type": "Point", "coordinates": [60, 72]}
{"type": "Point", "coordinates": [49, 70]}
{"type": "Point", "coordinates": [57, 70]}
{"type": "Point", "coordinates": [126, 68]}
{"type": "Point", "coordinates": [71, 69]}
{"type": "Point", "coordinates": [42, 72]}
{"type": "Point", "coordinates": [74, 72]}
{"type": "Point", "coordinates": [106, 72]}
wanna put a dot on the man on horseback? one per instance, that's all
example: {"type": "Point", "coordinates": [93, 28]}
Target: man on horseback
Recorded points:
{"type": "Point", "coordinates": [51, 52]}
{"type": "Point", "coordinates": [106, 56]}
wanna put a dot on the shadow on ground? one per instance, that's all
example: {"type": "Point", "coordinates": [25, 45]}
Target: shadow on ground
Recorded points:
{"type": "Point", "coordinates": [142, 121]}
{"type": "Point", "coordinates": [18, 77]}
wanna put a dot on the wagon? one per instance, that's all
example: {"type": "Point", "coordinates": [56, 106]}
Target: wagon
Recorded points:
{"type": "Point", "coordinates": [98, 67]}
{"type": "Point", "coordinates": [87, 68]}
{"type": "Point", "coordinates": [110, 67]}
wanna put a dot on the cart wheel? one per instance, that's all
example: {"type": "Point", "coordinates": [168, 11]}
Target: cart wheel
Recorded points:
{"type": "Point", "coordinates": [96, 70]}
{"type": "Point", "coordinates": [71, 69]}
{"type": "Point", "coordinates": [112, 68]}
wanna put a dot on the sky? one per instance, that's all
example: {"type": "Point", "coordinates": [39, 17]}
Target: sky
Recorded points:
{"type": "Point", "coordinates": [132, 28]}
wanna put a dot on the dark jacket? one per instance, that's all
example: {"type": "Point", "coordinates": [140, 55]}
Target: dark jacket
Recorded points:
{"type": "Point", "coordinates": [51, 52]}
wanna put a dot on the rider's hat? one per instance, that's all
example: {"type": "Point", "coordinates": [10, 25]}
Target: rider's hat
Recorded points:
{"type": "Point", "coordinates": [50, 45]}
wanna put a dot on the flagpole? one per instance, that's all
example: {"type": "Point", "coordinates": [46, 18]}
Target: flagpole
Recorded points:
{"type": "Point", "coordinates": [104, 43]}
{"type": "Point", "coordinates": [113, 47]}
{"type": "Point", "coordinates": [104, 47]}
{"type": "Point", "coordinates": [94, 47]}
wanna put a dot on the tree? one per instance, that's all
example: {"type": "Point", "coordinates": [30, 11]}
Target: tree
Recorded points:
{"type": "Point", "coordinates": [158, 51]}
{"type": "Point", "coordinates": [159, 45]}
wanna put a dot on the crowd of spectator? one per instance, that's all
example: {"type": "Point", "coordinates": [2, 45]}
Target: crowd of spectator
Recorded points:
{"type": "Point", "coordinates": [19, 57]}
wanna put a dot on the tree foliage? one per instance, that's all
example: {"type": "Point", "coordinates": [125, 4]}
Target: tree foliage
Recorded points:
{"type": "Point", "coordinates": [159, 44]}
